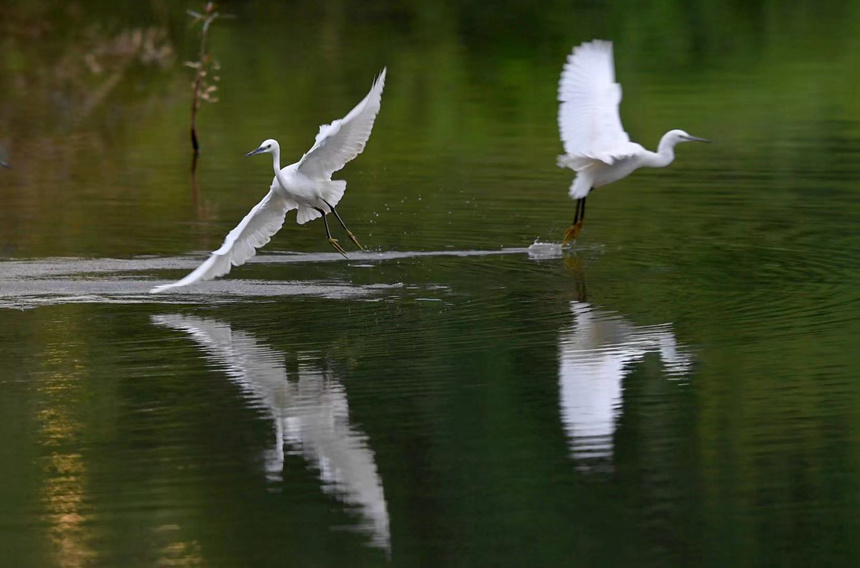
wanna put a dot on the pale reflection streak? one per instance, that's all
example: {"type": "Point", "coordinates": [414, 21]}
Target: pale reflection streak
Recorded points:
{"type": "Point", "coordinates": [63, 467]}
{"type": "Point", "coordinates": [595, 354]}
{"type": "Point", "coordinates": [310, 415]}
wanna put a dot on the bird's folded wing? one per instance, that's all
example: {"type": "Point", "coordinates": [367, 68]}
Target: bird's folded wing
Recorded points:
{"type": "Point", "coordinates": [255, 230]}
{"type": "Point", "coordinates": [588, 116]}
{"type": "Point", "coordinates": [344, 139]}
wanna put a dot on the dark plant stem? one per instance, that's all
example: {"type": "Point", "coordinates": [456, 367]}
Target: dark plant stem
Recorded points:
{"type": "Point", "coordinates": [194, 105]}
{"type": "Point", "coordinates": [202, 67]}
{"type": "Point", "coordinates": [195, 99]}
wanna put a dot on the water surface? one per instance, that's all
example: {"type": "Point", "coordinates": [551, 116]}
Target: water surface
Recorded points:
{"type": "Point", "coordinates": [678, 388]}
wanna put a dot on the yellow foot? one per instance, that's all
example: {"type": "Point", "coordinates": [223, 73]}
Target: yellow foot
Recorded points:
{"type": "Point", "coordinates": [352, 237]}
{"type": "Point", "coordinates": [572, 233]}
{"type": "Point", "coordinates": [337, 247]}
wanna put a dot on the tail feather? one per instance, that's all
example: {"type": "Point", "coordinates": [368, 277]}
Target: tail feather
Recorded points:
{"type": "Point", "coordinates": [305, 214]}
{"type": "Point", "coordinates": [581, 186]}
{"type": "Point", "coordinates": [332, 191]}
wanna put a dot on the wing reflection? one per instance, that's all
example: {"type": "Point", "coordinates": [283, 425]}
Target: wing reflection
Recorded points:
{"type": "Point", "coordinates": [596, 353]}
{"type": "Point", "coordinates": [311, 415]}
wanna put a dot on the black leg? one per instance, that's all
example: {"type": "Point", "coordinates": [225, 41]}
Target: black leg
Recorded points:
{"type": "Point", "coordinates": [332, 242]}
{"type": "Point", "coordinates": [325, 223]}
{"type": "Point", "coordinates": [348, 232]}
{"type": "Point", "coordinates": [578, 218]}
{"type": "Point", "coordinates": [580, 211]}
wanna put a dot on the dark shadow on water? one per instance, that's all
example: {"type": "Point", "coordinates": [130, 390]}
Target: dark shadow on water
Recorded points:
{"type": "Point", "coordinates": [195, 190]}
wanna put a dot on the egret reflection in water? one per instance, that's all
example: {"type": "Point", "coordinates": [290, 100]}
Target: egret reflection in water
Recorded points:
{"type": "Point", "coordinates": [595, 354]}
{"type": "Point", "coordinates": [310, 415]}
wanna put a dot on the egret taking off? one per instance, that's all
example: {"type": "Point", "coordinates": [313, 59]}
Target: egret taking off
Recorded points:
{"type": "Point", "coordinates": [305, 185]}
{"type": "Point", "coordinates": [595, 144]}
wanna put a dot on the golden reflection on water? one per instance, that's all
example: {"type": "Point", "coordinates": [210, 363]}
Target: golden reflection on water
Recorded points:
{"type": "Point", "coordinates": [176, 552]}
{"type": "Point", "coordinates": [66, 511]}
{"type": "Point", "coordinates": [63, 468]}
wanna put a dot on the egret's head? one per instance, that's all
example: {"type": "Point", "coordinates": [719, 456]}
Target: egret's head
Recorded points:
{"type": "Point", "coordinates": [267, 147]}
{"type": "Point", "coordinates": [678, 135]}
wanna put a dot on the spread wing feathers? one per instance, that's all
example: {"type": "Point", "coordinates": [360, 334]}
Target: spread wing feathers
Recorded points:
{"type": "Point", "coordinates": [588, 114]}
{"type": "Point", "coordinates": [255, 230]}
{"type": "Point", "coordinates": [344, 139]}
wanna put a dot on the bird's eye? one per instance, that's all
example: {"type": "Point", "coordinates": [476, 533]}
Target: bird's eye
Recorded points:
{"type": "Point", "coordinates": [268, 146]}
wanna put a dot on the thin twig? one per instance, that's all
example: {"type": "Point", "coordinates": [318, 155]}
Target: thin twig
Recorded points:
{"type": "Point", "coordinates": [204, 63]}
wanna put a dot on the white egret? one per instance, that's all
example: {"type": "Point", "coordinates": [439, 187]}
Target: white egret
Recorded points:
{"type": "Point", "coordinates": [305, 185]}
{"type": "Point", "coordinates": [595, 144]}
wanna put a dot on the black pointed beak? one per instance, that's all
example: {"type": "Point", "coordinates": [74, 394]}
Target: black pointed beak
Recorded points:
{"type": "Point", "coordinates": [697, 139]}
{"type": "Point", "coordinates": [257, 151]}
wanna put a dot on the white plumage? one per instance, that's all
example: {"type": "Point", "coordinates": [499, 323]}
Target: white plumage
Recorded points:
{"type": "Point", "coordinates": [305, 185]}
{"type": "Point", "coordinates": [596, 146]}
{"type": "Point", "coordinates": [342, 140]}
{"type": "Point", "coordinates": [588, 115]}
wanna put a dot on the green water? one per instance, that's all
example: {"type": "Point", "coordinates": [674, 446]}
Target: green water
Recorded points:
{"type": "Point", "coordinates": [680, 388]}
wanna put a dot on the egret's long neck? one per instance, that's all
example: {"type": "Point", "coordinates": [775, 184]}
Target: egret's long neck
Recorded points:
{"type": "Point", "coordinates": [664, 155]}
{"type": "Point", "coordinates": [276, 159]}
{"type": "Point", "coordinates": [276, 163]}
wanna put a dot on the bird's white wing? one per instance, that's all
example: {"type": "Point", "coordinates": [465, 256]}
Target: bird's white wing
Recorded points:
{"type": "Point", "coordinates": [255, 230]}
{"type": "Point", "coordinates": [588, 114]}
{"type": "Point", "coordinates": [344, 139]}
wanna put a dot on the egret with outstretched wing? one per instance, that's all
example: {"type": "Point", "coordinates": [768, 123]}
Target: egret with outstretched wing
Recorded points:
{"type": "Point", "coordinates": [305, 185]}
{"type": "Point", "coordinates": [595, 144]}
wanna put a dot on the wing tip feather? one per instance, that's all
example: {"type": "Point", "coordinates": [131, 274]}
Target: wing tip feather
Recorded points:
{"type": "Point", "coordinates": [162, 287]}
{"type": "Point", "coordinates": [366, 111]}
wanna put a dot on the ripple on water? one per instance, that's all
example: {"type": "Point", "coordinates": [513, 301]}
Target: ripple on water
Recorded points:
{"type": "Point", "coordinates": [27, 284]}
{"type": "Point", "coordinates": [795, 292]}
